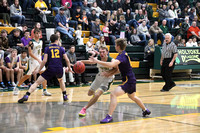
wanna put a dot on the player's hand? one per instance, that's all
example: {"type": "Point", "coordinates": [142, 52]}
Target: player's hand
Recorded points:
{"type": "Point", "coordinates": [161, 62]}
{"type": "Point", "coordinates": [93, 59]}
{"type": "Point", "coordinates": [171, 64]}
{"type": "Point", "coordinates": [40, 61]}
{"type": "Point", "coordinates": [70, 70]}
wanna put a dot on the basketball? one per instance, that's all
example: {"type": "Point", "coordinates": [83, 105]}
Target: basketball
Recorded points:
{"type": "Point", "coordinates": [79, 67]}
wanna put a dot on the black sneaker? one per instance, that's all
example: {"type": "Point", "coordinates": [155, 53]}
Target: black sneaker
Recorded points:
{"type": "Point", "coordinates": [2, 85]}
{"type": "Point", "coordinates": [24, 98]}
{"type": "Point", "coordinates": [65, 97]}
{"type": "Point", "coordinates": [146, 112]}
{"type": "Point", "coordinates": [10, 84]}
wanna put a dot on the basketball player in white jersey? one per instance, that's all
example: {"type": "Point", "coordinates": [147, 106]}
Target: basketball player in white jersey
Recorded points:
{"type": "Point", "coordinates": [35, 51]}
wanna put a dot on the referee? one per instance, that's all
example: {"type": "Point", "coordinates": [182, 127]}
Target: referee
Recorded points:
{"type": "Point", "coordinates": [167, 62]}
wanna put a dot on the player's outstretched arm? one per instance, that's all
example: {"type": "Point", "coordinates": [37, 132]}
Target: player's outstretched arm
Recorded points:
{"type": "Point", "coordinates": [112, 64]}
{"type": "Point", "coordinates": [87, 62]}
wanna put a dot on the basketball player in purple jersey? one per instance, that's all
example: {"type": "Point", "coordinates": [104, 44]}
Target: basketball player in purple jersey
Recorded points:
{"type": "Point", "coordinates": [53, 56]}
{"type": "Point", "coordinates": [128, 78]}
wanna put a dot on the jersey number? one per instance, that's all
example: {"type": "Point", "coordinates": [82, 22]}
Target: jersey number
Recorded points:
{"type": "Point", "coordinates": [55, 53]}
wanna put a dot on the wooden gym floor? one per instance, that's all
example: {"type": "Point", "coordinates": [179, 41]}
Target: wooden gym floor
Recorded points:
{"type": "Point", "coordinates": [172, 112]}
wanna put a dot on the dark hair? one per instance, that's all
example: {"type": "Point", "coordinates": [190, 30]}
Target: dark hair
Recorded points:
{"type": "Point", "coordinates": [37, 30]}
{"type": "Point", "coordinates": [4, 31]}
{"type": "Point", "coordinates": [27, 31]}
{"type": "Point", "coordinates": [16, 30]}
{"type": "Point", "coordinates": [71, 46]}
{"type": "Point", "coordinates": [53, 38]}
{"type": "Point", "coordinates": [121, 42]}
{"type": "Point", "coordinates": [24, 50]}
{"type": "Point", "coordinates": [23, 25]}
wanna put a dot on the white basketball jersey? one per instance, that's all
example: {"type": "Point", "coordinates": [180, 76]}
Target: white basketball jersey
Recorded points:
{"type": "Point", "coordinates": [36, 49]}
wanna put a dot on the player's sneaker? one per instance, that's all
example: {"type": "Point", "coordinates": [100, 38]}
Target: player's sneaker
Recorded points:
{"type": "Point", "coordinates": [146, 112]}
{"type": "Point", "coordinates": [10, 84]}
{"type": "Point", "coordinates": [82, 112]}
{"type": "Point", "coordinates": [2, 85]}
{"type": "Point", "coordinates": [107, 119]}
{"type": "Point", "coordinates": [24, 98]}
{"type": "Point", "coordinates": [65, 97]}
{"type": "Point", "coordinates": [16, 90]}
{"type": "Point", "coordinates": [46, 93]}
{"type": "Point", "coordinates": [13, 84]}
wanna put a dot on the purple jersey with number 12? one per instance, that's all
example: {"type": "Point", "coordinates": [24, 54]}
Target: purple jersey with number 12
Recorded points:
{"type": "Point", "coordinates": [55, 56]}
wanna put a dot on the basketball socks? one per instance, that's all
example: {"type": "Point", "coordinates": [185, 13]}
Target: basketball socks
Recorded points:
{"type": "Point", "coordinates": [44, 90]}
{"type": "Point", "coordinates": [64, 92]}
{"type": "Point", "coordinates": [28, 93]}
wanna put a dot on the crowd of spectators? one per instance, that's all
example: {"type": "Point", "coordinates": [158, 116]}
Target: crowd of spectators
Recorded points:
{"type": "Point", "coordinates": [131, 19]}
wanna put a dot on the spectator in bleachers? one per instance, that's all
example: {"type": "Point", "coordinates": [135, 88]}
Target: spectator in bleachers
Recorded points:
{"type": "Point", "coordinates": [191, 14]}
{"type": "Point", "coordinates": [164, 27]}
{"type": "Point", "coordinates": [90, 47]}
{"type": "Point", "coordinates": [114, 17]}
{"type": "Point", "coordinates": [194, 42]}
{"type": "Point", "coordinates": [12, 64]}
{"type": "Point", "coordinates": [156, 33]}
{"type": "Point", "coordinates": [4, 46]}
{"type": "Point", "coordinates": [119, 13]}
{"type": "Point", "coordinates": [184, 12]}
{"type": "Point", "coordinates": [86, 7]}
{"type": "Point", "coordinates": [26, 39]}
{"type": "Point", "coordinates": [101, 42]}
{"type": "Point", "coordinates": [183, 42]}
{"type": "Point", "coordinates": [4, 12]}
{"type": "Point", "coordinates": [197, 21]}
{"type": "Point", "coordinates": [130, 20]}
{"type": "Point", "coordinates": [65, 1]}
{"type": "Point", "coordinates": [173, 15]}
{"type": "Point", "coordinates": [177, 41]}
{"type": "Point", "coordinates": [164, 14]}
{"type": "Point", "coordinates": [178, 9]}
{"type": "Point", "coordinates": [55, 5]}
{"type": "Point", "coordinates": [102, 4]}
{"type": "Point", "coordinates": [26, 4]}
{"type": "Point", "coordinates": [36, 26]}
{"type": "Point", "coordinates": [22, 30]}
{"type": "Point", "coordinates": [67, 14]}
{"type": "Point", "coordinates": [16, 13]}
{"type": "Point", "coordinates": [135, 39]}
{"type": "Point", "coordinates": [85, 20]}
{"type": "Point", "coordinates": [77, 15]}
{"type": "Point", "coordinates": [145, 13]}
{"type": "Point", "coordinates": [139, 17]}
{"type": "Point", "coordinates": [23, 60]}
{"type": "Point", "coordinates": [62, 26]}
{"type": "Point", "coordinates": [42, 8]}
{"type": "Point", "coordinates": [122, 26]}
{"type": "Point", "coordinates": [2, 69]}
{"type": "Point", "coordinates": [106, 32]}
{"type": "Point", "coordinates": [15, 40]}
{"type": "Point", "coordinates": [149, 52]}
{"type": "Point", "coordinates": [143, 31]}
{"type": "Point", "coordinates": [76, 3]}
{"type": "Point", "coordinates": [189, 43]}
{"type": "Point", "coordinates": [118, 4]}
{"type": "Point", "coordinates": [59, 38]}
{"type": "Point", "coordinates": [78, 34]}
{"type": "Point", "coordinates": [126, 5]}
{"type": "Point", "coordinates": [184, 28]}
{"type": "Point", "coordinates": [104, 15]}
{"type": "Point", "coordinates": [95, 31]}
{"type": "Point", "coordinates": [193, 31]}
{"type": "Point", "coordinates": [110, 5]}
{"type": "Point", "coordinates": [92, 17]}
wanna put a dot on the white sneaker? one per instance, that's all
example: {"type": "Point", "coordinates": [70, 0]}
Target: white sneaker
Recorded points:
{"type": "Point", "coordinates": [13, 83]}
{"type": "Point", "coordinates": [16, 91]}
{"type": "Point", "coordinates": [46, 93]}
